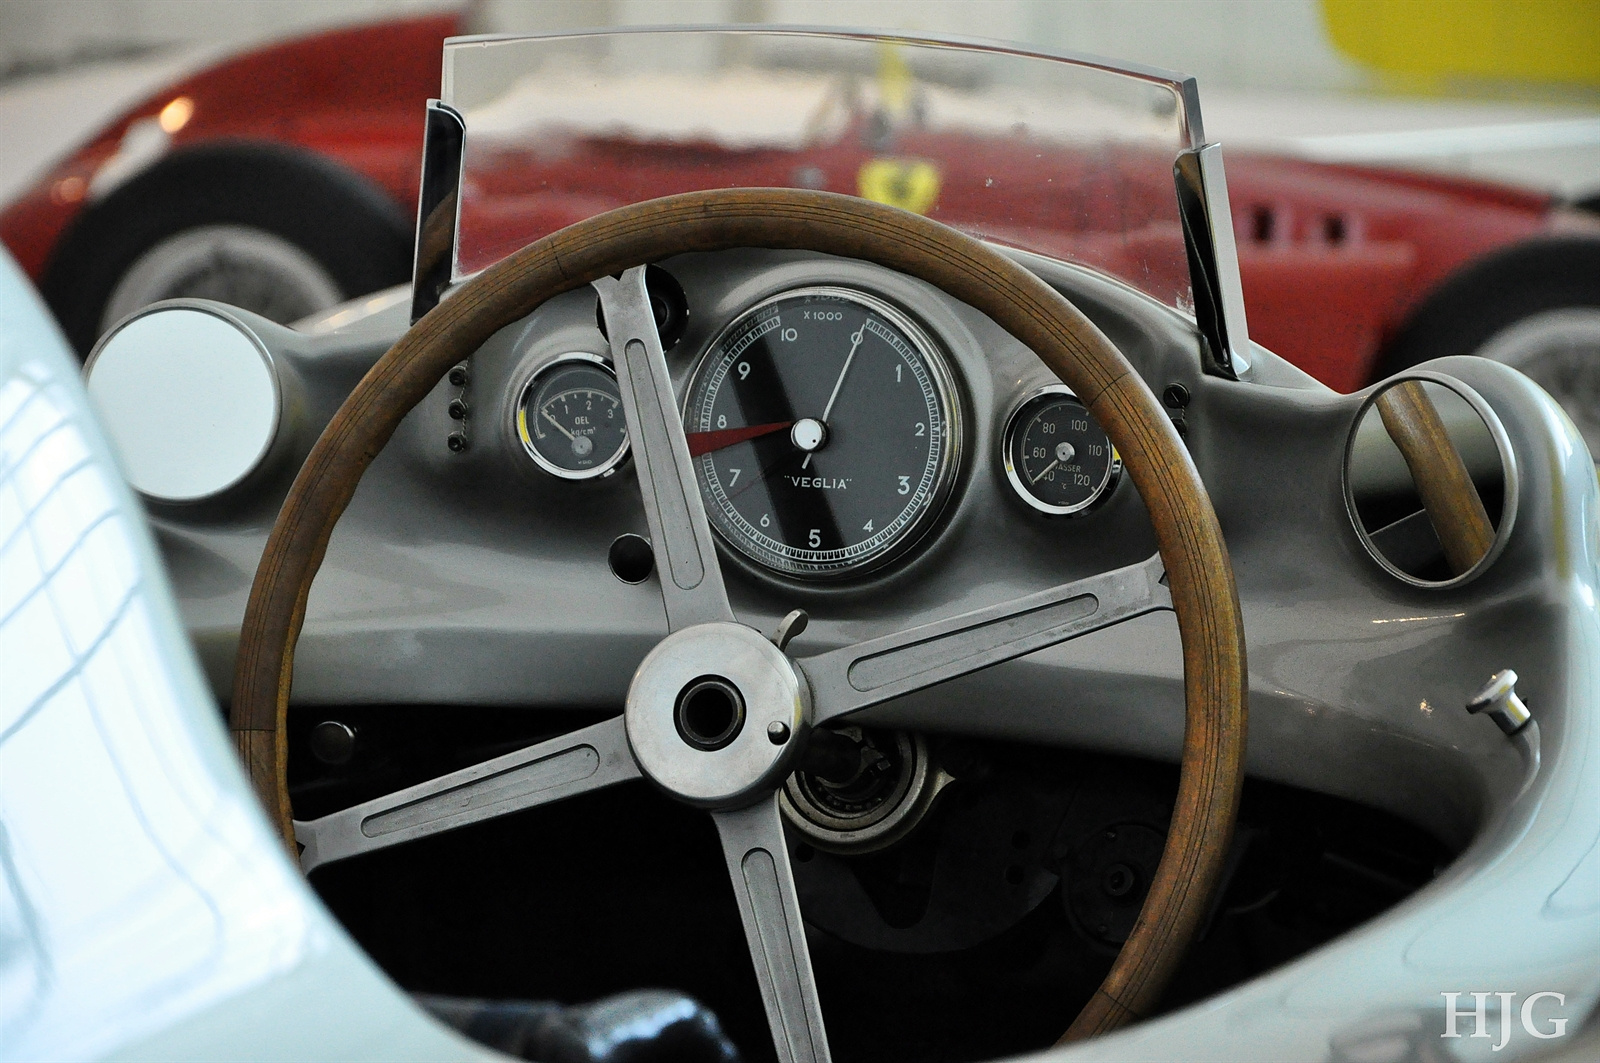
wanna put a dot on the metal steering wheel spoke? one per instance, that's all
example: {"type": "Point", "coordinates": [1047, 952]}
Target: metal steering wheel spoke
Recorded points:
{"type": "Point", "coordinates": [856, 677]}
{"type": "Point", "coordinates": [763, 882]}
{"type": "Point", "coordinates": [587, 759]}
{"type": "Point", "coordinates": [686, 557]}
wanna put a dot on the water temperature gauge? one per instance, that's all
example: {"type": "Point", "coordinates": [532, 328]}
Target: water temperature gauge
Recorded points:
{"type": "Point", "coordinates": [1057, 458]}
{"type": "Point", "coordinates": [570, 418]}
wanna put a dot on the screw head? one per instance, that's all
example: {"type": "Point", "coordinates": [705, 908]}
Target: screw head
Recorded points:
{"type": "Point", "coordinates": [1118, 880]}
{"type": "Point", "coordinates": [1175, 396]}
{"type": "Point", "coordinates": [778, 732]}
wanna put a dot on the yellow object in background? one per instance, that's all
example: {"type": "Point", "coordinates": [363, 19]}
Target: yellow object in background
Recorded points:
{"type": "Point", "coordinates": [896, 83]}
{"type": "Point", "coordinates": [1550, 41]}
{"type": "Point", "coordinates": [910, 184]}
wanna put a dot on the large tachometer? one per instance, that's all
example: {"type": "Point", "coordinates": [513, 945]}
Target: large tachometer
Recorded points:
{"type": "Point", "coordinates": [824, 430]}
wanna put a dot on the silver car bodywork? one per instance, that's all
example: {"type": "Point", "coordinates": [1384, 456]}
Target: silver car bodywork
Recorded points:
{"type": "Point", "coordinates": [146, 909]}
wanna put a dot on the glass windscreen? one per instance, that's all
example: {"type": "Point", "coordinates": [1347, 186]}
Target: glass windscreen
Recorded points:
{"type": "Point", "coordinates": [1059, 157]}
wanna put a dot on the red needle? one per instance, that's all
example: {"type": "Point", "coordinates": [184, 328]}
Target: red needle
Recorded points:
{"type": "Point", "coordinates": [705, 442]}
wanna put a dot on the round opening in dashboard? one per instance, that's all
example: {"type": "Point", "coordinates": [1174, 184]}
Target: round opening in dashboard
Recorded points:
{"type": "Point", "coordinates": [825, 432]}
{"type": "Point", "coordinates": [1430, 480]}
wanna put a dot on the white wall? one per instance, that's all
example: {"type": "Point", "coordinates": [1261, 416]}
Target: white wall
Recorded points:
{"type": "Point", "coordinates": [1268, 75]}
{"type": "Point", "coordinates": [1242, 43]}
{"type": "Point", "coordinates": [37, 31]}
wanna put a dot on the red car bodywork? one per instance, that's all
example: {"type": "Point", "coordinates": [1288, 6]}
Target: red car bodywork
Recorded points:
{"type": "Point", "coordinates": [1334, 258]}
{"type": "Point", "coordinates": [354, 95]}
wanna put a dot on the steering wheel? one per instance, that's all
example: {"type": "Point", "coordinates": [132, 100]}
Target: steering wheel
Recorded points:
{"type": "Point", "coordinates": [717, 714]}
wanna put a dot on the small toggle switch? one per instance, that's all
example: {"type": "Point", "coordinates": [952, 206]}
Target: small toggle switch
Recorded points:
{"type": "Point", "coordinates": [790, 626]}
{"type": "Point", "coordinates": [1499, 700]}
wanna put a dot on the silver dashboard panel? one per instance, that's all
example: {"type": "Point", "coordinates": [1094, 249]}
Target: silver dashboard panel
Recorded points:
{"type": "Point", "coordinates": [474, 579]}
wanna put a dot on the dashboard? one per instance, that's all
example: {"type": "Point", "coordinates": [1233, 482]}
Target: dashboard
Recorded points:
{"type": "Point", "coordinates": [799, 482]}
{"type": "Point", "coordinates": [485, 562]}
{"type": "Point", "coordinates": [826, 410]}
{"type": "Point", "coordinates": [882, 456]}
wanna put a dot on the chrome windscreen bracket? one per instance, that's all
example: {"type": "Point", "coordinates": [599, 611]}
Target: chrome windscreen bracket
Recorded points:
{"type": "Point", "coordinates": [1213, 261]}
{"type": "Point", "coordinates": [438, 207]}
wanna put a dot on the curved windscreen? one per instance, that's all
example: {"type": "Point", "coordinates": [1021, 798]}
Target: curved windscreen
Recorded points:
{"type": "Point", "coordinates": [1056, 156]}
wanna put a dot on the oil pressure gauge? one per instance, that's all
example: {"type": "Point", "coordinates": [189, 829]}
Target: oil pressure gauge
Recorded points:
{"type": "Point", "coordinates": [570, 420]}
{"type": "Point", "coordinates": [1057, 458]}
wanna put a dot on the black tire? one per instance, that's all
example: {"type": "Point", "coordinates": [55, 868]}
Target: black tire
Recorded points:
{"type": "Point", "coordinates": [1489, 296]}
{"type": "Point", "coordinates": [1535, 306]}
{"type": "Point", "coordinates": [349, 226]}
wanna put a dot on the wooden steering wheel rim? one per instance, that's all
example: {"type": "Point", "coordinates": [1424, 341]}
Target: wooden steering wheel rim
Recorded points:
{"type": "Point", "coordinates": [1199, 573]}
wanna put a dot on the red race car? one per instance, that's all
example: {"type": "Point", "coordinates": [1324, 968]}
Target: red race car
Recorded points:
{"type": "Point", "coordinates": [290, 200]}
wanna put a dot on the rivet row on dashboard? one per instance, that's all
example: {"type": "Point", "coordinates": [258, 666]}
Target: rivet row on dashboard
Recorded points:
{"type": "Point", "coordinates": [1176, 399]}
{"type": "Point", "coordinates": [460, 376]}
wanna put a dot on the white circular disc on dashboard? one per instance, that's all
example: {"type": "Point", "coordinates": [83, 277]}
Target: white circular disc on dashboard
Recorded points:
{"type": "Point", "coordinates": [189, 399]}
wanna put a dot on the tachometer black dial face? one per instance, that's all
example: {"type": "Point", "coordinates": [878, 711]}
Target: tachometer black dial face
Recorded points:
{"type": "Point", "coordinates": [570, 419]}
{"type": "Point", "coordinates": [824, 431]}
{"type": "Point", "coordinates": [1057, 458]}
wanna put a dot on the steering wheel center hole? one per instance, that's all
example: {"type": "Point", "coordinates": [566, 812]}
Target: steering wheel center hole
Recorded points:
{"type": "Point", "coordinates": [710, 713]}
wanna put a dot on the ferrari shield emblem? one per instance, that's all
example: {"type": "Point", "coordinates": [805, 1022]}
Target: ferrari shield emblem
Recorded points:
{"type": "Point", "coordinates": [910, 184]}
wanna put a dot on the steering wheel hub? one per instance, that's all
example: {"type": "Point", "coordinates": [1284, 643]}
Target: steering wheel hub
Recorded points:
{"type": "Point", "coordinates": [701, 712]}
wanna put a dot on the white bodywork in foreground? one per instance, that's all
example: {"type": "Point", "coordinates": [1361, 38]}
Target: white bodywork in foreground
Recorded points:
{"type": "Point", "coordinates": [146, 908]}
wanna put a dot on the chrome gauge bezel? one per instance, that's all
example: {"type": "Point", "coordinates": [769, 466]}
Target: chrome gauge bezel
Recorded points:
{"type": "Point", "coordinates": [1101, 492]}
{"type": "Point", "coordinates": [943, 380]}
{"type": "Point", "coordinates": [519, 418]}
{"type": "Point", "coordinates": [1512, 491]}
